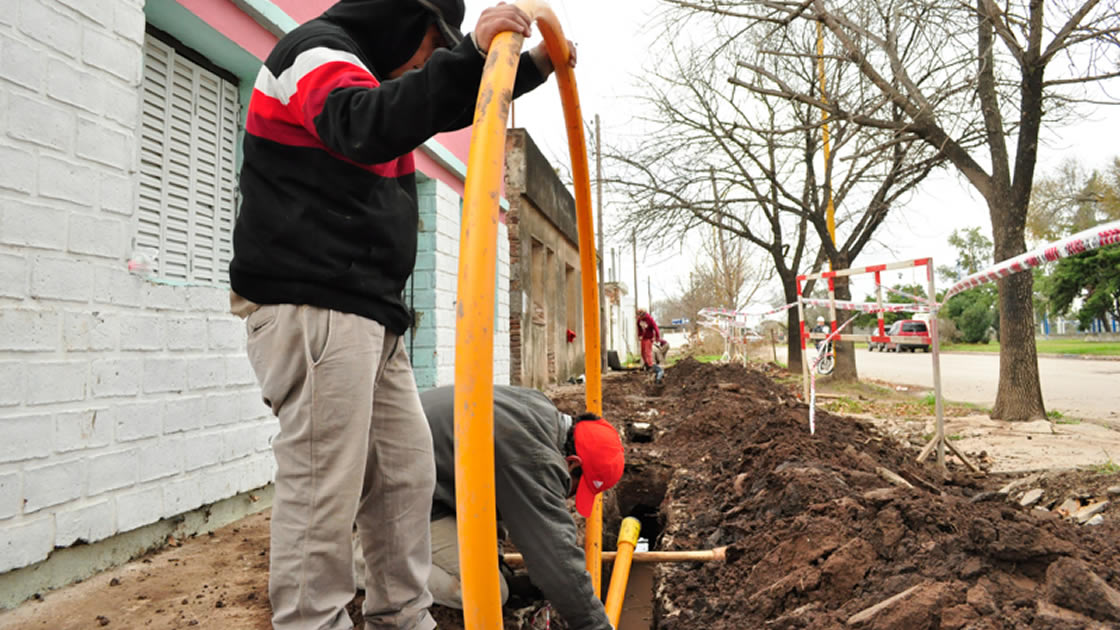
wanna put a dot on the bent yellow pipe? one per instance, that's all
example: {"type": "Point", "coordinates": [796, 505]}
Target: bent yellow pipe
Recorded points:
{"type": "Point", "coordinates": [474, 335]}
{"type": "Point", "coordinates": [627, 539]}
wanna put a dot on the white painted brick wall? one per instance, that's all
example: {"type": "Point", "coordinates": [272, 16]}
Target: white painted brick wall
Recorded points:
{"type": "Point", "coordinates": [33, 225]}
{"type": "Point", "coordinates": [26, 437]}
{"type": "Point", "coordinates": [52, 484]}
{"type": "Point", "coordinates": [112, 471]}
{"type": "Point", "coordinates": [97, 236]}
{"type": "Point", "coordinates": [88, 522]}
{"type": "Point", "coordinates": [13, 276]}
{"type": "Point", "coordinates": [25, 542]}
{"type": "Point", "coordinates": [137, 508]}
{"type": "Point", "coordinates": [61, 279]}
{"type": "Point", "coordinates": [56, 382]}
{"type": "Point", "coordinates": [11, 494]}
{"type": "Point", "coordinates": [82, 429]}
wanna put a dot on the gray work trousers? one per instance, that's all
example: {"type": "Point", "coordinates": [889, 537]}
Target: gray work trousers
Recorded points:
{"type": "Point", "coordinates": [353, 446]}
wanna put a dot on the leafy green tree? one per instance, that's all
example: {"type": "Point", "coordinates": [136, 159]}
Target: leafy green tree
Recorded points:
{"type": "Point", "coordinates": [869, 320]}
{"type": "Point", "coordinates": [1073, 199]}
{"type": "Point", "coordinates": [973, 313]}
{"type": "Point", "coordinates": [974, 252]}
{"type": "Point", "coordinates": [1093, 278]}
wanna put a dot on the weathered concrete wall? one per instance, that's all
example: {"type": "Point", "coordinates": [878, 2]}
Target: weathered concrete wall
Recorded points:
{"type": "Point", "coordinates": [544, 286]}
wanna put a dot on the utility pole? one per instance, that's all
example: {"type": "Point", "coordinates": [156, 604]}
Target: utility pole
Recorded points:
{"type": "Point", "coordinates": [634, 246]}
{"type": "Point", "coordinates": [599, 198]}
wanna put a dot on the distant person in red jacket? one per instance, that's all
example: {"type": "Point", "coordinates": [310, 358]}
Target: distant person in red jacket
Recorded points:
{"type": "Point", "coordinates": [648, 335]}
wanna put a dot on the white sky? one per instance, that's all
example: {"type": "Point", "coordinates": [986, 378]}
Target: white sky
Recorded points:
{"type": "Point", "coordinates": [616, 39]}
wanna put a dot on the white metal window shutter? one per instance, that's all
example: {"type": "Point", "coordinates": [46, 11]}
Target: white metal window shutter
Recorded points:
{"type": "Point", "coordinates": [187, 170]}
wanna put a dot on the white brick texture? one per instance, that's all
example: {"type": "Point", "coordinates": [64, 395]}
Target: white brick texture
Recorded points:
{"type": "Point", "coordinates": [52, 484]}
{"type": "Point", "coordinates": [139, 508]}
{"type": "Point", "coordinates": [19, 63]}
{"type": "Point", "coordinates": [87, 523]}
{"type": "Point", "coordinates": [31, 225]}
{"type": "Point", "coordinates": [67, 181]}
{"type": "Point", "coordinates": [13, 380]}
{"type": "Point", "coordinates": [136, 421]}
{"type": "Point", "coordinates": [111, 471]}
{"type": "Point", "coordinates": [13, 276]}
{"type": "Point", "coordinates": [116, 377]}
{"type": "Point", "coordinates": [61, 279]}
{"type": "Point", "coordinates": [33, 120]}
{"type": "Point", "coordinates": [97, 236]}
{"type": "Point", "coordinates": [52, 28]}
{"type": "Point", "coordinates": [11, 495]}
{"type": "Point", "coordinates": [25, 543]}
{"type": "Point", "coordinates": [89, 331]}
{"type": "Point", "coordinates": [56, 382]}
{"type": "Point", "coordinates": [25, 437]}
{"type": "Point", "coordinates": [122, 401]}
{"type": "Point", "coordinates": [17, 170]}
{"type": "Point", "coordinates": [82, 429]}
{"type": "Point", "coordinates": [112, 55]}
{"type": "Point", "coordinates": [99, 143]}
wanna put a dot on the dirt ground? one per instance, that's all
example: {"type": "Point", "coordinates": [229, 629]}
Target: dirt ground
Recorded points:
{"type": "Point", "coordinates": [816, 535]}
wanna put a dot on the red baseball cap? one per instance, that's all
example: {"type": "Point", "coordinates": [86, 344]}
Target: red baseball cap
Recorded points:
{"type": "Point", "coordinates": [600, 449]}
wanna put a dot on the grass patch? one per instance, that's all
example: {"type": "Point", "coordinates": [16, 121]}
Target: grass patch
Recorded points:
{"type": "Point", "coordinates": [1046, 346]}
{"type": "Point", "coordinates": [1054, 414]}
{"type": "Point", "coordinates": [1108, 468]}
{"type": "Point", "coordinates": [954, 437]}
{"type": "Point", "coordinates": [845, 405]}
{"type": "Point", "coordinates": [930, 400]}
{"type": "Point", "coordinates": [1068, 421]}
{"type": "Point", "coordinates": [708, 358]}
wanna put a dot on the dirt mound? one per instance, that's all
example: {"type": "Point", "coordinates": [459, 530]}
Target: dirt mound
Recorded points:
{"type": "Point", "coordinates": [818, 536]}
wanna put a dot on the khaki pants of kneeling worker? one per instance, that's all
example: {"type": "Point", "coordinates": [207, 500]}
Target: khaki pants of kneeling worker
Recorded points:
{"type": "Point", "coordinates": [444, 583]}
{"type": "Point", "coordinates": [353, 446]}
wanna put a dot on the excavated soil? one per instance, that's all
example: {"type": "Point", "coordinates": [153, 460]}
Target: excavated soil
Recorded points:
{"type": "Point", "coordinates": [817, 536]}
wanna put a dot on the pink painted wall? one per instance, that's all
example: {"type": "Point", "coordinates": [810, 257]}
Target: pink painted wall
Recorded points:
{"type": "Point", "coordinates": [303, 10]}
{"type": "Point", "coordinates": [230, 21]}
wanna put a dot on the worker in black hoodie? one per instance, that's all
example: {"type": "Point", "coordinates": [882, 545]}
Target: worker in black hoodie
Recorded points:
{"type": "Point", "coordinates": [323, 245]}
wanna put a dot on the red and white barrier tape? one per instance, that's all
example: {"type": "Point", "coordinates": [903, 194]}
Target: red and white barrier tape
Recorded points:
{"type": "Point", "coordinates": [869, 307]}
{"type": "Point", "coordinates": [1093, 238]}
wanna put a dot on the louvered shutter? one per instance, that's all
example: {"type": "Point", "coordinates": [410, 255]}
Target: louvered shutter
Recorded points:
{"type": "Point", "coordinates": [187, 167]}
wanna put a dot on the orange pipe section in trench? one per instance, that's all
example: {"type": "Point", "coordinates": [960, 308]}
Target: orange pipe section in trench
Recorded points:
{"type": "Point", "coordinates": [474, 335]}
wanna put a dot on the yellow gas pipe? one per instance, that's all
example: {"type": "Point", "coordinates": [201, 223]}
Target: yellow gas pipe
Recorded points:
{"type": "Point", "coordinates": [474, 334]}
{"type": "Point", "coordinates": [620, 575]}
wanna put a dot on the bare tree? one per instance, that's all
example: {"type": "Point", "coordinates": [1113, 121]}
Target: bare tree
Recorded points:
{"type": "Point", "coordinates": [750, 164]}
{"type": "Point", "coordinates": [730, 270]}
{"type": "Point", "coordinates": [967, 78]}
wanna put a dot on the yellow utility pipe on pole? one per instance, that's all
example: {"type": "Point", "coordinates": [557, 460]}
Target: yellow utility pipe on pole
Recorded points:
{"type": "Point", "coordinates": [831, 216]}
{"type": "Point", "coordinates": [627, 539]}
{"type": "Point", "coordinates": [474, 335]}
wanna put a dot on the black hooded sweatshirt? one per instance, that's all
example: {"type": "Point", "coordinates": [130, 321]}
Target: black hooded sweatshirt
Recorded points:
{"type": "Point", "coordinates": [329, 208]}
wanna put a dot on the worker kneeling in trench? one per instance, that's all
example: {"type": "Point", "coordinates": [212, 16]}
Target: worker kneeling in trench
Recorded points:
{"type": "Point", "coordinates": [542, 457]}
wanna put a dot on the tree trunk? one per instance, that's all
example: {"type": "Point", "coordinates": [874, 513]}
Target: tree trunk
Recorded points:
{"type": "Point", "coordinates": [1019, 396]}
{"type": "Point", "coordinates": [845, 369]}
{"type": "Point", "coordinates": [793, 325]}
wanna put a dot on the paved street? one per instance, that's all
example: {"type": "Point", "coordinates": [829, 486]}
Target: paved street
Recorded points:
{"type": "Point", "coordinates": [1079, 388]}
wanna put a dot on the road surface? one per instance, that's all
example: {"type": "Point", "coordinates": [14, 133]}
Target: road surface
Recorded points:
{"type": "Point", "coordinates": [1078, 388]}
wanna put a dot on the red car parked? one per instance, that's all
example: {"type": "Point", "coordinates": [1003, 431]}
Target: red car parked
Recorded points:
{"type": "Point", "coordinates": [918, 333]}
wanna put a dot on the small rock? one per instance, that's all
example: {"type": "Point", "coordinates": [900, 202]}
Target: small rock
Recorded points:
{"type": "Point", "coordinates": [1114, 491]}
{"type": "Point", "coordinates": [1071, 584]}
{"type": "Point", "coordinates": [102, 620]}
{"type": "Point", "coordinates": [1096, 520]}
{"type": "Point", "coordinates": [1089, 511]}
{"type": "Point", "coordinates": [1031, 497]}
{"type": "Point", "coordinates": [115, 582]}
{"type": "Point", "coordinates": [980, 599]}
{"type": "Point", "coordinates": [957, 617]}
{"type": "Point", "coordinates": [740, 483]}
{"type": "Point", "coordinates": [219, 604]}
{"type": "Point", "coordinates": [1051, 617]}
{"type": "Point", "coordinates": [879, 496]}
{"type": "Point", "coordinates": [1068, 507]}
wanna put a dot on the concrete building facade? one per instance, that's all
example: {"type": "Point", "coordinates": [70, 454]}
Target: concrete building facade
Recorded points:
{"type": "Point", "coordinates": [545, 300]}
{"type": "Point", "coordinates": [126, 400]}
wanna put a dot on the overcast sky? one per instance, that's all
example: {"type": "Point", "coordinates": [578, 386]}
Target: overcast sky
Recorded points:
{"type": "Point", "coordinates": [616, 39]}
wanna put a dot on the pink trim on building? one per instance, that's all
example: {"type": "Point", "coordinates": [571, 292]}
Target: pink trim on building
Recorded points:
{"type": "Point", "coordinates": [233, 23]}
{"type": "Point", "coordinates": [303, 10]}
